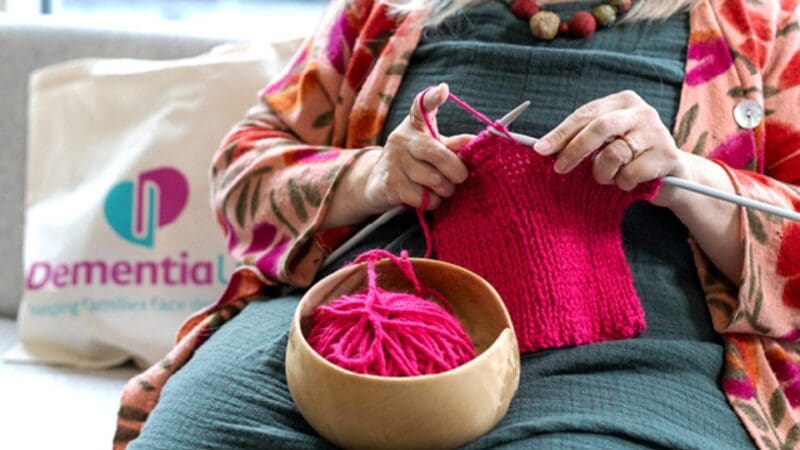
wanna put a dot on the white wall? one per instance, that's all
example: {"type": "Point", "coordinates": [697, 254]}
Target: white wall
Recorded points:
{"type": "Point", "coordinates": [20, 6]}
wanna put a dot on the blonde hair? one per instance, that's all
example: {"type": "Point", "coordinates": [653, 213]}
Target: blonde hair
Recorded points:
{"type": "Point", "coordinates": [641, 10]}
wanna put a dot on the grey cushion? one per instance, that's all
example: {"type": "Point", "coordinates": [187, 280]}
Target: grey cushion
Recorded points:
{"type": "Point", "coordinates": [24, 47]}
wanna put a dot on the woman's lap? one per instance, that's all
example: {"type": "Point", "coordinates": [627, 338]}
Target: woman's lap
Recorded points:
{"type": "Point", "coordinates": [641, 393]}
{"type": "Point", "coordinates": [232, 393]}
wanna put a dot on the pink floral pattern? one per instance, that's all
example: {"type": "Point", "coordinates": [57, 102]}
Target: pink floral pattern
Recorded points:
{"type": "Point", "coordinates": [714, 59]}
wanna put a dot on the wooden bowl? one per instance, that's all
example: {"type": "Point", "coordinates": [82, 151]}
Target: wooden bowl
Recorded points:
{"type": "Point", "coordinates": [444, 410]}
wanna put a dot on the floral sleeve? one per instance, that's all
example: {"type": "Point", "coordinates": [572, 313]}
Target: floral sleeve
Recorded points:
{"type": "Point", "coordinates": [759, 317]}
{"type": "Point", "coordinates": [273, 176]}
{"type": "Point", "coordinates": [768, 300]}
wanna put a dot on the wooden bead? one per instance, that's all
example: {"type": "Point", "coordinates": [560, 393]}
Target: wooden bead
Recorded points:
{"type": "Point", "coordinates": [621, 5]}
{"type": "Point", "coordinates": [524, 9]}
{"type": "Point", "coordinates": [544, 25]}
{"type": "Point", "coordinates": [582, 24]}
{"type": "Point", "coordinates": [605, 15]}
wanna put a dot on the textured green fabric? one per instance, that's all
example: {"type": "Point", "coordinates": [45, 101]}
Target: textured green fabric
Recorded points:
{"type": "Point", "coordinates": [641, 393]}
{"type": "Point", "coordinates": [659, 390]}
{"type": "Point", "coordinates": [489, 59]}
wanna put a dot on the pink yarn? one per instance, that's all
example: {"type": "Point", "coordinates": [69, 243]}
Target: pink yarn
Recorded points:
{"type": "Point", "coordinates": [466, 107]}
{"type": "Point", "coordinates": [385, 333]}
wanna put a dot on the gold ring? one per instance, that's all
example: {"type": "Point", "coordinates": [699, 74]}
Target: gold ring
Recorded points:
{"type": "Point", "coordinates": [623, 144]}
{"type": "Point", "coordinates": [634, 148]}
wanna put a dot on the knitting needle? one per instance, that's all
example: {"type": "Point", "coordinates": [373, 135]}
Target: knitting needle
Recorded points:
{"type": "Point", "coordinates": [732, 198]}
{"type": "Point", "coordinates": [363, 233]}
{"type": "Point", "coordinates": [508, 119]}
{"type": "Point", "coordinates": [394, 212]}
{"type": "Point", "coordinates": [670, 180]}
{"type": "Point", "coordinates": [513, 115]}
{"type": "Point", "coordinates": [353, 241]}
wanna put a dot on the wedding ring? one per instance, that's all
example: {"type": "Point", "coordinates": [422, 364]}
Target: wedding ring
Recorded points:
{"type": "Point", "coordinates": [634, 148]}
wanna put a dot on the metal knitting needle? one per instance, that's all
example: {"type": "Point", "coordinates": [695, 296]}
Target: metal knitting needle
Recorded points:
{"type": "Point", "coordinates": [394, 212]}
{"type": "Point", "coordinates": [363, 233]}
{"type": "Point", "coordinates": [675, 181]}
{"type": "Point", "coordinates": [513, 115]}
{"type": "Point", "coordinates": [353, 241]}
{"type": "Point", "coordinates": [732, 198]}
{"type": "Point", "coordinates": [508, 119]}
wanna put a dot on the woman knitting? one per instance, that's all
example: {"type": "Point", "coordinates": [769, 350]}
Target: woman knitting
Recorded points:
{"type": "Point", "coordinates": [704, 354]}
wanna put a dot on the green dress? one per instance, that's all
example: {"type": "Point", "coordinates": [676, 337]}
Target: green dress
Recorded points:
{"type": "Point", "coordinates": [659, 390]}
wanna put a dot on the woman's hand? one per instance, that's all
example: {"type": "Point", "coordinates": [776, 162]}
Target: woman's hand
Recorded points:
{"type": "Point", "coordinates": [413, 160]}
{"type": "Point", "coordinates": [635, 146]}
{"type": "Point", "coordinates": [397, 174]}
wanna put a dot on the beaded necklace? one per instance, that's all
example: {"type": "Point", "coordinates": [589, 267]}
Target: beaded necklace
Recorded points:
{"type": "Point", "coordinates": [545, 25]}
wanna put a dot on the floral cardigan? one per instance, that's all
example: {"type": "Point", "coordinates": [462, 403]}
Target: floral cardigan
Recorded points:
{"type": "Point", "coordinates": [274, 174]}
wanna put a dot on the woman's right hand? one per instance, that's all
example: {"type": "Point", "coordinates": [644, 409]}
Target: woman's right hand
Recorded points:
{"type": "Point", "coordinates": [398, 173]}
{"type": "Point", "coordinates": [412, 160]}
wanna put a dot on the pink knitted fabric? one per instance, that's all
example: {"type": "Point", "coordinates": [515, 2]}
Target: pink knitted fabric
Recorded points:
{"type": "Point", "coordinates": [550, 244]}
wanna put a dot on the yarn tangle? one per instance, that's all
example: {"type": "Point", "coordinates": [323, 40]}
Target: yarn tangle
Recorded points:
{"type": "Point", "coordinates": [386, 333]}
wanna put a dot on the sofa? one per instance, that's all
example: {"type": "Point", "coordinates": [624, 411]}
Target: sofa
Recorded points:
{"type": "Point", "coordinates": [45, 406]}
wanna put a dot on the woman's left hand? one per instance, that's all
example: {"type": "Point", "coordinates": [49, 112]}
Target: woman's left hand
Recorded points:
{"type": "Point", "coordinates": [635, 146]}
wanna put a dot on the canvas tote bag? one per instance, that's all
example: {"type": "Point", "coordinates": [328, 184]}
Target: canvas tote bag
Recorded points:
{"type": "Point", "coordinates": [120, 241]}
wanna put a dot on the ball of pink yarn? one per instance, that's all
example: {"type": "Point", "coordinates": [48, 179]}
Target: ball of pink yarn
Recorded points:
{"type": "Point", "coordinates": [378, 332]}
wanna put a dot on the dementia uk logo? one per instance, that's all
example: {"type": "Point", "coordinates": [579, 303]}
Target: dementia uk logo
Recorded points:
{"type": "Point", "coordinates": [135, 211]}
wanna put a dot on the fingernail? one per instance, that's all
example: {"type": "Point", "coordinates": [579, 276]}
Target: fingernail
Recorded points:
{"type": "Point", "coordinates": [560, 166]}
{"type": "Point", "coordinates": [542, 147]}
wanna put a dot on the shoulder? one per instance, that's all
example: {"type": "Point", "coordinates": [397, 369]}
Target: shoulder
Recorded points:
{"type": "Point", "coordinates": [757, 19]}
{"type": "Point", "coordinates": [735, 50]}
{"type": "Point", "coordinates": [751, 28]}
